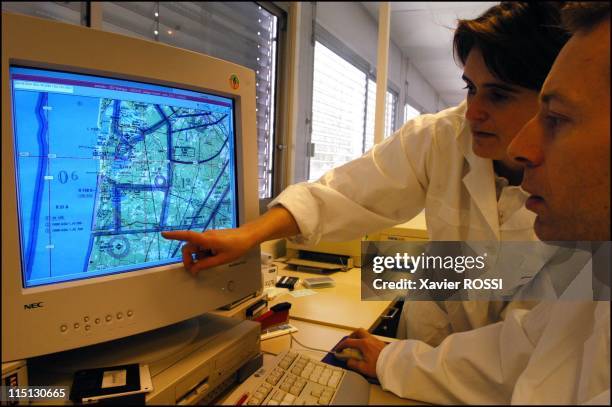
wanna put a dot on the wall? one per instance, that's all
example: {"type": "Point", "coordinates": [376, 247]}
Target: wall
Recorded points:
{"type": "Point", "coordinates": [353, 25]}
{"type": "Point", "coordinates": [350, 23]}
{"type": "Point", "coordinates": [419, 91]}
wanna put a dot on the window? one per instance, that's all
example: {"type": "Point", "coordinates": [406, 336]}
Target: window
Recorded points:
{"type": "Point", "coordinates": [241, 32]}
{"type": "Point", "coordinates": [343, 109]}
{"type": "Point", "coordinates": [391, 99]}
{"type": "Point", "coordinates": [64, 11]}
{"type": "Point", "coordinates": [338, 106]}
{"type": "Point", "coordinates": [410, 112]}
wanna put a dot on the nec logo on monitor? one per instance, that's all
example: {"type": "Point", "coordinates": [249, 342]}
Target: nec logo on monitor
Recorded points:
{"type": "Point", "coordinates": [33, 305]}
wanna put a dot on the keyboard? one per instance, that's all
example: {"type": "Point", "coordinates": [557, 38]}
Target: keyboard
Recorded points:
{"type": "Point", "coordinates": [296, 379]}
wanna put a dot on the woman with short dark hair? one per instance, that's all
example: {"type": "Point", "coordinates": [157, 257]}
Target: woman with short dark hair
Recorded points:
{"type": "Point", "coordinates": [453, 164]}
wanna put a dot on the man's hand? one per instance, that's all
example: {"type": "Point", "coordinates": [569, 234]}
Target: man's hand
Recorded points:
{"type": "Point", "coordinates": [223, 246]}
{"type": "Point", "coordinates": [370, 348]}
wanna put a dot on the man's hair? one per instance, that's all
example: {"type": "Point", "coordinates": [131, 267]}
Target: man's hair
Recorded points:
{"type": "Point", "coordinates": [519, 41]}
{"type": "Point", "coordinates": [584, 15]}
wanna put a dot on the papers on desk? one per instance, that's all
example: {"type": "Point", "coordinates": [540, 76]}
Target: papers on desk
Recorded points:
{"type": "Point", "coordinates": [272, 292]}
{"type": "Point", "coordinates": [302, 293]}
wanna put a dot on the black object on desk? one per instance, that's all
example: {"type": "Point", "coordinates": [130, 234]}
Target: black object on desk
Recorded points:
{"type": "Point", "coordinates": [113, 385]}
{"type": "Point", "coordinates": [287, 282]}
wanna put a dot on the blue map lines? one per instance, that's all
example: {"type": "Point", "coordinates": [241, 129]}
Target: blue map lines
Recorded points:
{"type": "Point", "coordinates": [41, 170]}
{"type": "Point", "coordinates": [161, 168]}
{"type": "Point", "coordinates": [100, 177]}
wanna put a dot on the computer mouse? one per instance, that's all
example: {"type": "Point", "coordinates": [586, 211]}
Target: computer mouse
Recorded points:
{"type": "Point", "coordinates": [349, 353]}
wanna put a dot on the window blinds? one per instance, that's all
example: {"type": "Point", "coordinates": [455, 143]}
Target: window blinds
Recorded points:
{"type": "Point", "coordinates": [343, 109]}
{"type": "Point", "coordinates": [64, 11]}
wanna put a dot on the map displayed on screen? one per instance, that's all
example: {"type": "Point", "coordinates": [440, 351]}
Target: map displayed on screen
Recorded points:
{"type": "Point", "coordinates": [104, 165]}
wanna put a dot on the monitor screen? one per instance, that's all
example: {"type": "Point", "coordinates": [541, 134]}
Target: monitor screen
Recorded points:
{"type": "Point", "coordinates": [104, 165]}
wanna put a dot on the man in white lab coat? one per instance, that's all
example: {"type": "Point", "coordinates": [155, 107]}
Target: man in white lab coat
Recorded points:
{"type": "Point", "coordinates": [453, 164]}
{"type": "Point", "coordinates": [558, 352]}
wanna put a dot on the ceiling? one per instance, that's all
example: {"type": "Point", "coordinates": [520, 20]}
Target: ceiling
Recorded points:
{"type": "Point", "coordinates": [424, 33]}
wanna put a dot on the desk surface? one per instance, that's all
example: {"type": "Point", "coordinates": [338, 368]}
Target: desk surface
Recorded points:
{"type": "Point", "coordinates": [340, 306]}
{"type": "Point", "coordinates": [320, 337]}
{"type": "Point", "coordinates": [323, 319]}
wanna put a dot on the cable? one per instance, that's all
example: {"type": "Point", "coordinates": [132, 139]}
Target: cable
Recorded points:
{"type": "Point", "coordinates": [269, 353]}
{"type": "Point", "coordinates": [293, 338]}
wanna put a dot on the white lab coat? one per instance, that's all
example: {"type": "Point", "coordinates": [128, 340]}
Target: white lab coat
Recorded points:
{"type": "Point", "coordinates": [428, 164]}
{"type": "Point", "coordinates": [556, 353]}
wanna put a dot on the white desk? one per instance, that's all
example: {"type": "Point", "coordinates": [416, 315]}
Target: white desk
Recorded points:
{"type": "Point", "coordinates": [340, 306]}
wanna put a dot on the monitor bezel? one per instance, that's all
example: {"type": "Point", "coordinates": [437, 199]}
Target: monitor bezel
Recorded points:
{"type": "Point", "coordinates": [71, 70]}
{"type": "Point", "coordinates": [59, 312]}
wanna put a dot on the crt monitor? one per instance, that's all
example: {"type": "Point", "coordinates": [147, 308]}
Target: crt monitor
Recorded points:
{"type": "Point", "coordinates": [108, 140]}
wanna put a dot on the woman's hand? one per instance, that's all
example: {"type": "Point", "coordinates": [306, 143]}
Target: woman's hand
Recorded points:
{"type": "Point", "coordinates": [212, 247]}
{"type": "Point", "coordinates": [220, 246]}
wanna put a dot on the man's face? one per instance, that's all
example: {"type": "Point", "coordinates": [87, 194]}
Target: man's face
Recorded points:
{"type": "Point", "coordinates": [565, 148]}
{"type": "Point", "coordinates": [496, 110]}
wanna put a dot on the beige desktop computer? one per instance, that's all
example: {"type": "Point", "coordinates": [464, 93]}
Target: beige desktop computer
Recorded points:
{"type": "Point", "coordinates": [107, 140]}
{"type": "Point", "coordinates": [191, 362]}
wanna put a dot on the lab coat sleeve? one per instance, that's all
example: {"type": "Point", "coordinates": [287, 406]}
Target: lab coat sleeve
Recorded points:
{"type": "Point", "coordinates": [467, 367]}
{"type": "Point", "coordinates": [384, 187]}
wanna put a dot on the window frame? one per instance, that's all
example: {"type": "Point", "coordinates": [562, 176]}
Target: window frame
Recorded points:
{"type": "Point", "coordinates": [392, 89]}
{"type": "Point", "coordinates": [328, 40]}
{"type": "Point", "coordinates": [410, 101]}
{"type": "Point", "coordinates": [278, 141]}
{"type": "Point", "coordinates": [56, 13]}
